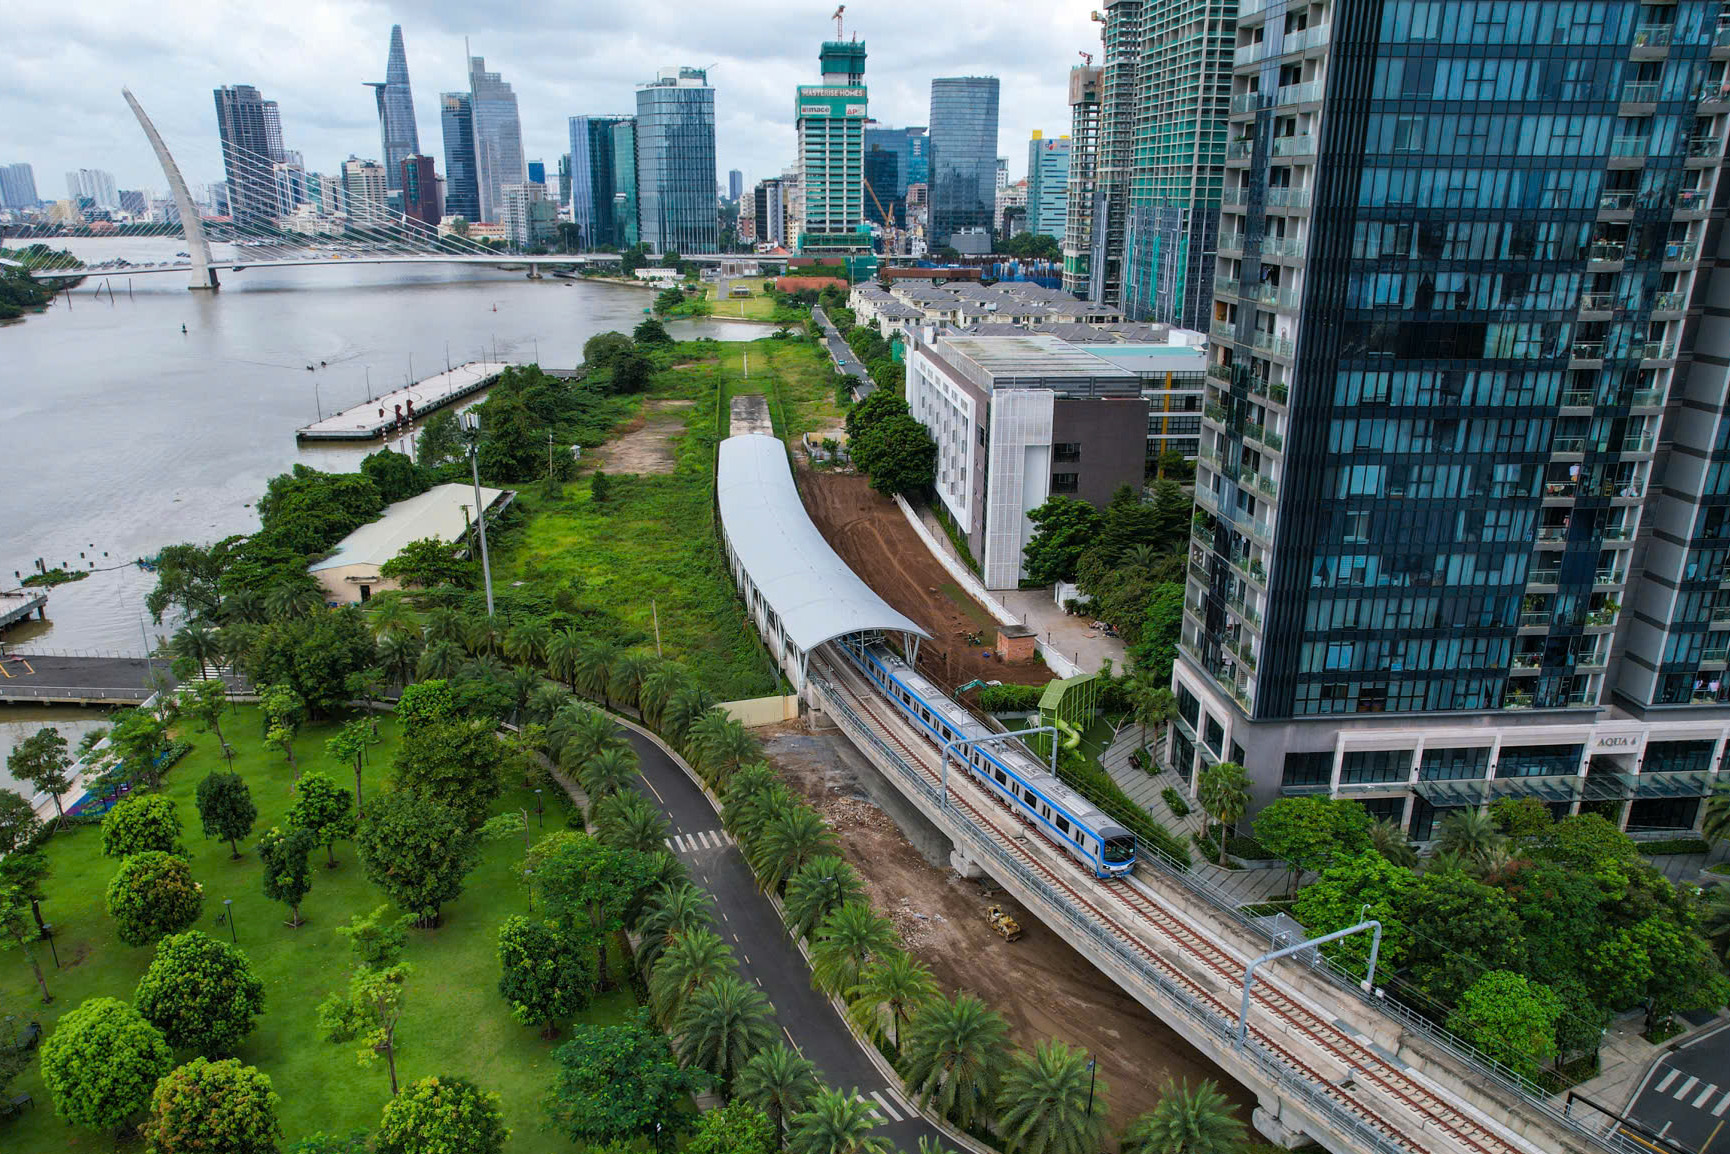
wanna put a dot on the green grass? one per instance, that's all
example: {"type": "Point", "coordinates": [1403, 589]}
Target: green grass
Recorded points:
{"type": "Point", "coordinates": [652, 547]}
{"type": "Point", "coordinates": [455, 1021]}
{"type": "Point", "coordinates": [801, 387]}
{"type": "Point", "coordinates": [759, 306]}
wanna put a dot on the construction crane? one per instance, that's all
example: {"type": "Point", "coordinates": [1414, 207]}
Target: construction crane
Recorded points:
{"type": "Point", "coordinates": [887, 219]}
{"type": "Point", "coordinates": [837, 18]}
{"type": "Point", "coordinates": [1086, 59]}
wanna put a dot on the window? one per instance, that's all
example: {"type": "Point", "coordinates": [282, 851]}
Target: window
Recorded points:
{"type": "Point", "coordinates": [1066, 451]}
{"type": "Point", "coordinates": [1065, 482]}
{"type": "Point", "coordinates": [1214, 734]}
{"type": "Point", "coordinates": [1308, 769]}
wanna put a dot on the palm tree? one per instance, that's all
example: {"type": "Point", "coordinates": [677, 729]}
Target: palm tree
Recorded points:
{"type": "Point", "coordinates": [607, 771]}
{"type": "Point", "coordinates": [1223, 791]}
{"type": "Point", "coordinates": [789, 840]}
{"type": "Point", "coordinates": [659, 685]}
{"type": "Point", "coordinates": [688, 703]}
{"type": "Point", "coordinates": [1717, 821]}
{"type": "Point", "coordinates": [1186, 1121]}
{"type": "Point", "coordinates": [446, 624]}
{"type": "Point", "coordinates": [892, 987]}
{"type": "Point", "coordinates": [848, 941]}
{"type": "Point", "coordinates": [719, 745]}
{"type": "Point", "coordinates": [545, 702]}
{"type": "Point", "coordinates": [400, 653]}
{"type": "Point", "coordinates": [199, 644]}
{"type": "Point", "coordinates": [482, 635]}
{"type": "Point", "coordinates": [523, 682]}
{"type": "Point", "coordinates": [439, 659]}
{"type": "Point", "coordinates": [1390, 841]}
{"type": "Point", "coordinates": [390, 616]}
{"type": "Point", "coordinates": [779, 1081]}
{"type": "Point", "coordinates": [1442, 861]}
{"type": "Point", "coordinates": [722, 1024]}
{"type": "Point", "coordinates": [293, 597]}
{"type": "Point", "coordinates": [688, 962]}
{"type": "Point", "coordinates": [1142, 556]}
{"type": "Point", "coordinates": [562, 650]}
{"type": "Point", "coordinates": [484, 667]}
{"type": "Point", "coordinates": [955, 1056]}
{"type": "Point", "coordinates": [594, 666]}
{"type": "Point", "coordinates": [672, 911]}
{"type": "Point", "coordinates": [578, 731]}
{"type": "Point", "coordinates": [1715, 922]}
{"type": "Point", "coordinates": [626, 820]}
{"type": "Point", "coordinates": [740, 795]}
{"type": "Point", "coordinates": [820, 885]}
{"type": "Point", "coordinates": [526, 641]}
{"type": "Point", "coordinates": [242, 607]}
{"type": "Point", "coordinates": [1047, 1104]}
{"type": "Point", "coordinates": [836, 1123]}
{"type": "Point", "coordinates": [1154, 705]}
{"type": "Point", "coordinates": [625, 679]}
{"type": "Point", "coordinates": [1471, 833]}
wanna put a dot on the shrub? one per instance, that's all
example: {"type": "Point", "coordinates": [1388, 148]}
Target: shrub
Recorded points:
{"type": "Point", "coordinates": [139, 824]}
{"type": "Point", "coordinates": [153, 895]}
{"type": "Point", "coordinates": [1674, 845]}
{"type": "Point", "coordinates": [1175, 802]}
{"type": "Point", "coordinates": [1010, 698]}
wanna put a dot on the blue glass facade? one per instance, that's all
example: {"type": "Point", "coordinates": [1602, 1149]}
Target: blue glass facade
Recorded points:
{"type": "Point", "coordinates": [397, 132]}
{"type": "Point", "coordinates": [676, 207]}
{"type": "Point", "coordinates": [962, 154]}
{"type": "Point", "coordinates": [894, 158]}
{"type": "Point", "coordinates": [456, 121]}
{"type": "Point", "coordinates": [593, 182]}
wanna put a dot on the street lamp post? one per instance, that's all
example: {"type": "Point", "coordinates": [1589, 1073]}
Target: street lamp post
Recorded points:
{"type": "Point", "coordinates": [538, 817]}
{"type": "Point", "coordinates": [228, 912]}
{"type": "Point", "coordinates": [471, 423]}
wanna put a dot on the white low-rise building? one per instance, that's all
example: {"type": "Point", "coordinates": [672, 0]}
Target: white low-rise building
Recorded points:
{"type": "Point", "coordinates": [350, 575]}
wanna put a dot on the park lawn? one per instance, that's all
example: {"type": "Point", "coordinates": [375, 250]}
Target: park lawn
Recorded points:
{"type": "Point", "coordinates": [759, 306]}
{"type": "Point", "coordinates": [652, 548]}
{"type": "Point", "coordinates": [800, 382]}
{"type": "Point", "coordinates": [454, 1022]}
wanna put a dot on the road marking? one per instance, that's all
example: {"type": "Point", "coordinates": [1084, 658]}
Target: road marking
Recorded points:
{"type": "Point", "coordinates": [872, 1110]}
{"type": "Point", "coordinates": [747, 958]}
{"type": "Point", "coordinates": [1665, 1084]}
{"type": "Point", "coordinates": [886, 1106]}
{"type": "Point", "coordinates": [790, 1040]}
{"type": "Point", "coordinates": [669, 842]}
{"type": "Point", "coordinates": [729, 838]}
{"type": "Point", "coordinates": [1686, 1086]}
{"type": "Point", "coordinates": [724, 916]}
{"type": "Point", "coordinates": [709, 841]}
{"type": "Point", "coordinates": [735, 939]}
{"type": "Point", "coordinates": [1710, 1137]}
{"type": "Point", "coordinates": [654, 791]}
{"type": "Point", "coordinates": [680, 839]}
{"type": "Point", "coordinates": [1704, 1096]}
{"type": "Point", "coordinates": [1723, 1105]}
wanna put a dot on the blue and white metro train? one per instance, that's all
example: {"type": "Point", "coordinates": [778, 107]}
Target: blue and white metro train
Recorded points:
{"type": "Point", "coordinates": [1005, 768]}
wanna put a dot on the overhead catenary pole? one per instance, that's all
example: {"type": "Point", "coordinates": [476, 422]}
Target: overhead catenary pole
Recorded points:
{"type": "Point", "coordinates": [471, 423]}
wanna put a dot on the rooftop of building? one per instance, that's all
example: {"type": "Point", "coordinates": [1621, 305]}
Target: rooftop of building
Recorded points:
{"type": "Point", "coordinates": [438, 513]}
{"type": "Point", "coordinates": [1026, 358]}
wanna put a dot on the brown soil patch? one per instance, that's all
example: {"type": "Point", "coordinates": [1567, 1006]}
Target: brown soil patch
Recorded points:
{"type": "Point", "coordinates": [875, 540]}
{"type": "Point", "coordinates": [1042, 987]}
{"type": "Point", "coordinates": [646, 445]}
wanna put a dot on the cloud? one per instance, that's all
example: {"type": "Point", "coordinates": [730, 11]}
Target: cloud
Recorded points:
{"type": "Point", "coordinates": [60, 94]}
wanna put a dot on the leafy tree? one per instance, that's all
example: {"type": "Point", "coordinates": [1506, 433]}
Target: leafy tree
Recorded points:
{"type": "Point", "coordinates": [736, 1128]}
{"type": "Point", "coordinates": [1187, 1120]}
{"type": "Point", "coordinates": [354, 1142]}
{"type": "Point", "coordinates": [323, 809]}
{"type": "Point", "coordinates": [631, 373]}
{"type": "Point", "coordinates": [870, 413]}
{"type": "Point", "coordinates": [892, 988]}
{"type": "Point", "coordinates": [721, 1025]}
{"type": "Point", "coordinates": [1310, 832]}
{"type": "Point", "coordinates": [283, 711]}
{"type": "Point", "coordinates": [18, 931]}
{"type": "Point", "coordinates": [18, 822]}
{"type": "Point", "coordinates": [225, 808]}
{"type": "Point", "coordinates": [1346, 892]}
{"type": "Point", "coordinates": [192, 578]}
{"type": "Point", "coordinates": [690, 962]}
{"type": "Point", "coordinates": [1590, 844]}
{"type": "Point", "coordinates": [376, 939]}
{"type": "Point", "coordinates": [1161, 624]}
{"type": "Point", "coordinates": [140, 740]}
{"type": "Point", "coordinates": [822, 884]}
{"type": "Point", "coordinates": [101, 1063]}
{"type": "Point", "coordinates": [619, 1083]}
{"type": "Point", "coordinates": [586, 883]}
{"type": "Point", "coordinates": [1223, 790]}
{"type": "Point", "coordinates": [349, 744]}
{"type": "Point", "coordinates": [313, 656]}
{"type": "Point", "coordinates": [836, 1123]}
{"type": "Point", "coordinates": [1063, 527]}
{"type": "Point", "coordinates": [954, 1057]}
{"type": "Point", "coordinates": [428, 563]}
{"type": "Point", "coordinates": [545, 975]}
{"type": "Point", "coordinates": [1046, 1104]}
{"type": "Point", "coordinates": [898, 454]}
{"type": "Point", "coordinates": [201, 993]}
{"type": "Point", "coordinates": [416, 851]}
{"type": "Point", "coordinates": [779, 1081]}
{"type": "Point", "coordinates": [442, 1114]}
{"type": "Point", "coordinates": [207, 1107]}
{"type": "Point", "coordinates": [368, 1014]}
{"type": "Point", "coordinates": [139, 824]}
{"type": "Point", "coordinates": [1461, 929]}
{"type": "Point", "coordinates": [848, 941]}
{"type": "Point", "coordinates": [41, 759]}
{"type": "Point", "coordinates": [456, 762]}
{"type": "Point", "coordinates": [1510, 1019]}
{"type": "Point", "coordinates": [287, 876]}
{"type": "Point", "coordinates": [152, 895]}
{"type": "Point", "coordinates": [600, 350]}
{"type": "Point", "coordinates": [652, 332]}
{"type": "Point", "coordinates": [426, 703]}
{"type": "Point", "coordinates": [1525, 820]}
{"type": "Point", "coordinates": [396, 475]}
{"type": "Point", "coordinates": [307, 511]}
{"type": "Point", "coordinates": [440, 440]}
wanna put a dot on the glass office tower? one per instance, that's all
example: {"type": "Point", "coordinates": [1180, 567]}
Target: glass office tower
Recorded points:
{"type": "Point", "coordinates": [456, 121]}
{"type": "Point", "coordinates": [676, 209]}
{"type": "Point", "coordinates": [498, 136]}
{"type": "Point", "coordinates": [593, 179]}
{"type": "Point", "coordinates": [962, 154]}
{"type": "Point", "coordinates": [1458, 282]}
{"type": "Point", "coordinates": [625, 183]}
{"type": "Point", "coordinates": [397, 133]}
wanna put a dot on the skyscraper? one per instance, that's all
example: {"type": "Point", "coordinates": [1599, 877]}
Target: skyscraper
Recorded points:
{"type": "Point", "coordinates": [457, 123]}
{"type": "Point", "coordinates": [1047, 185]}
{"type": "Point", "coordinates": [676, 163]}
{"type": "Point", "coordinates": [735, 185]}
{"type": "Point", "coordinates": [366, 190]}
{"type": "Point", "coordinates": [831, 125]}
{"type": "Point", "coordinates": [396, 128]}
{"type": "Point", "coordinates": [963, 155]}
{"type": "Point", "coordinates": [94, 183]}
{"type": "Point", "coordinates": [1086, 200]}
{"type": "Point", "coordinates": [420, 191]}
{"type": "Point", "coordinates": [498, 137]}
{"type": "Point", "coordinates": [769, 203]}
{"type": "Point", "coordinates": [251, 133]}
{"type": "Point", "coordinates": [625, 230]}
{"type": "Point", "coordinates": [1458, 282]}
{"type": "Point", "coordinates": [593, 179]}
{"type": "Point", "coordinates": [17, 186]}
{"type": "Point", "coordinates": [894, 158]}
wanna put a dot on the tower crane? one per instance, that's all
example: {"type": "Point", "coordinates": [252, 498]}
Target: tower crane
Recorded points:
{"type": "Point", "coordinates": [837, 18]}
{"type": "Point", "coordinates": [1086, 59]}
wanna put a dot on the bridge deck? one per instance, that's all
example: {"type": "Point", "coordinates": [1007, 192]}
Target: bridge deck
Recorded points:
{"type": "Point", "coordinates": [401, 407]}
{"type": "Point", "coordinates": [42, 679]}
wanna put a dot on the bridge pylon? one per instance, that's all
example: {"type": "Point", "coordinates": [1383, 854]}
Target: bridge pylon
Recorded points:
{"type": "Point", "coordinates": [197, 245]}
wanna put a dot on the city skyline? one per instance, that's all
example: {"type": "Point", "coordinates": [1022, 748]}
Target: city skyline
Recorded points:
{"type": "Point", "coordinates": [589, 65]}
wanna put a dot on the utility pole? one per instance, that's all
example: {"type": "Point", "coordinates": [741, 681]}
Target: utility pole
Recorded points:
{"type": "Point", "coordinates": [549, 456]}
{"type": "Point", "coordinates": [471, 424]}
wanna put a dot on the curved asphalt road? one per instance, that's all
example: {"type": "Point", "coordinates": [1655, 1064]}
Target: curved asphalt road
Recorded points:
{"type": "Point", "coordinates": [766, 955]}
{"type": "Point", "coordinates": [843, 356]}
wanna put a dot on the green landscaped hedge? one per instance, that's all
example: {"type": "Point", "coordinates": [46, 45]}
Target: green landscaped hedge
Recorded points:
{"type": "Point", "coordinates": [1674, 845]}
{"type": "Point", "coordinates": [1175, 802]}
{"type": "Point", "coordinates": [1010, 698]}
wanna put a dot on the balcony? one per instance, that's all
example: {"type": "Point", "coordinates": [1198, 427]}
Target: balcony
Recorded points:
{"type": "Point", "coordinates": [1586, 351]}
{"type": "Point", "coordinates": [1652, 35]}
{"type": "Point", "coordinates": [1576, 399]}
{"type": "Point", "coordinates": [1630, 146]}
{"type": "Point", "coordinates": [1656, 350]}
{"type": "Point", "coordinates": [1517, 701]}
{"type": "Point", "coordinates": [1288, 198]}
{"type": "Point", "coordinates": [1299, 93]}
{"type": "Point", "coordinates": [1280, 246]}
{"type": "Point", "coordinates": [1717, 655]}
{"type": "Point", "coordinates": [1273, 392]}
{"type": "Point", "coordinates": [1638, 443]}
{"type": "Point", "coordinates": [1216, 371]}
{"type": "Point", "coordinates": [1721, 36]}
{"type": "Point", "coordinates": [1246, 102]}
{"type": "Point", "coordinates": [1223, 331]}
{"type": "Point", "coordinates": [1669, 302]}
{"type": "Point", "coordinates": [1528, 660]}
{"type": "Point", "coordinates": [1597, 302]}
{"type": "Point", "coordinates": [1216, 413]}
{"type": "Point", "coordinates": [1240, 149]}
{"type": "Point", "coordinates": [1616, 201]}
{"type": "Point", "coordinates": [1618, 533]}
{"type": "Point", "coordinates": [1720, 614]}
{"type": "Point", "coordinates": [1681, 250]}
{"type": "Point", "coordinates": [1692, 200]}
{"type": "Point", "coordinates": [1301, 145]}
{"type": "Point", "coordinates": [1607, 250]}
{"type": "Point", "coordinates": [1544, 576]}
{"type": "Point", "coordinates": [1551, 534]}
{"type": "Point", "coordinates": [1269, 343]}
{"type": "Point", "coordinates": [1609, 577]}
{"type": "Point", "coordinates": [1704, 147]}
{"type": "Point", "coordinates": [1223, 285]}
{"type": "Point", "coordinates": [1636, 92]}
{"type": "Point", "coordinates": [1316, 37]}
{"type": "Point", "coordinates": [1646, 398]}
{"type": "Point", "coordinates": [1601, 618]}
{"type": "Point", "coordinates": [1568, 445]}
{"type": "Point", "coordinates": [1231, 242]}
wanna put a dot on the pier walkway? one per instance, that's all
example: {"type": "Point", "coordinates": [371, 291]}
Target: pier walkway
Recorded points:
{"type": "Point", "coordinates": [44, 679]}
{"type": "Point", "coordinates": [17, 604]}
{"type": "Point", "coordinates": [399, 408]}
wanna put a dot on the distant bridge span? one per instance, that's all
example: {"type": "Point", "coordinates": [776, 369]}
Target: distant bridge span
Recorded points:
{"type": "Point", "coordinates": [502, 260]}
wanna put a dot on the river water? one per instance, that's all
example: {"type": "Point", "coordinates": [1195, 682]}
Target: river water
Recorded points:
{"type": "Point", "coordinates": [119, 434]}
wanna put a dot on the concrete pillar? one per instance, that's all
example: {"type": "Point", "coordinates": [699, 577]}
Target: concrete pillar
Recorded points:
{"type": "Point", "coordinates": [964, 865]}
{"type": "Point", "coordinates": [1283, 1132]}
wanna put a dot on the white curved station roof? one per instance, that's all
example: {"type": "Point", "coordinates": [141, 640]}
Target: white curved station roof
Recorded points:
{"type": "Point", "coordinates": [816, 596]}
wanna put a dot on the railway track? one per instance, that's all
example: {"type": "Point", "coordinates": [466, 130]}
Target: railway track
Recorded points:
{"type": "Point", "coordinates": [1429, 1113]}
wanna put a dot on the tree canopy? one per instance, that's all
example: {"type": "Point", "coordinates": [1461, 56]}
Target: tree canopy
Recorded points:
{"type": "Point", "coordinates": [207, 1107]}
{"type": "Point", "coordinates": [101, 1063]}
{"type": "Point", "coordinates": [201, 993]}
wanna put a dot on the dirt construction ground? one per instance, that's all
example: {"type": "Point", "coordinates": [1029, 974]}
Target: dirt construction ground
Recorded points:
{"type": "Point", "coordinates": [1038, 983]}
{"type": "Point", "coordinates": [872, 536]}
{"type": "Point", "coordinates": [646, 445]}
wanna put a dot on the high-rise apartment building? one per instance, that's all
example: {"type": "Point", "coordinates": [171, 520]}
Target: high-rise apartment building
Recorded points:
{"type": "Point", "coordinates": [251, 132]}
{"type": "Point", "coordinates": [1086, 202]}
{"type": "Point", "coordinates": [366, 192]}
{"type": "Point", "coordinates": [457, 122]}
{"type": "Point", "coordinates": [420, 190]}
{"type": "Point", "coordinates": [594, 166]}
{"type": "Point", "coordinates": [1462, 489]}
{"type": "Point", "coordinates": [962, 189]}
{"type": "Point", "coordinates": [1048, 185]}
{"type": "Point", "coordinates": [17, 186]}
{"type": "Point", "coordinates": [625, 214]}
{"type": "Point", "coordinates": [770, 205]}
{"type": "Point", "coordinates": [675, 131]}
{"type": "Point", "coordinates": [396, 127]}
{"type": "Point", "coordinates": [498, 138]}
{"type": "Point", "coordinates": [735, 185]}
{"type": "Point", "coordinates": [94, 183]}
{"type": "Point", "coordinates": [530, 215]}
{"type": "Point", "coordinates": [830, 118]}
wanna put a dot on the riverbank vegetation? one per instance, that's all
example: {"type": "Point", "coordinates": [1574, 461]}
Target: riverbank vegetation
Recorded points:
{"type": "Point", "coordinates": [19, 291]}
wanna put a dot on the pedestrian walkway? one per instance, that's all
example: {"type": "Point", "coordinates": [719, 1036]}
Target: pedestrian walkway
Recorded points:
{"type": "Point", "coordinates": [690, 843]}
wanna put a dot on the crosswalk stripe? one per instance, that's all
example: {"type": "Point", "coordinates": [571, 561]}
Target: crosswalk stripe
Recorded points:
{"type": "Point", "coordinates": [1704, 1096]}
{"type": "Point", "coordinates": [872, 1110]}
{"type": "Point", "coordinates": [710, 841]}
{"type": "Point", "coordinates": [679, 840]}
{"type": "Point", "coordinates": [728, 838]}
{"type": "Point", "coordinates": [1686, 1086]}
{"type": "Point", "coordinates": [899, 1101]}
{"type": "Point", "coordinates": [886, 1106]}
{"type": "Point", "coordinates": [1723, 1105]}
{"type": "Point", "coordinates": [669, 842]}
{"type": "Point", "coordinates": [1668, 1078]}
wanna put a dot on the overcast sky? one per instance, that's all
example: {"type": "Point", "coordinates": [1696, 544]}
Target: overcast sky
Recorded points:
{"type": "Point", "coordinates": [60, 103]}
